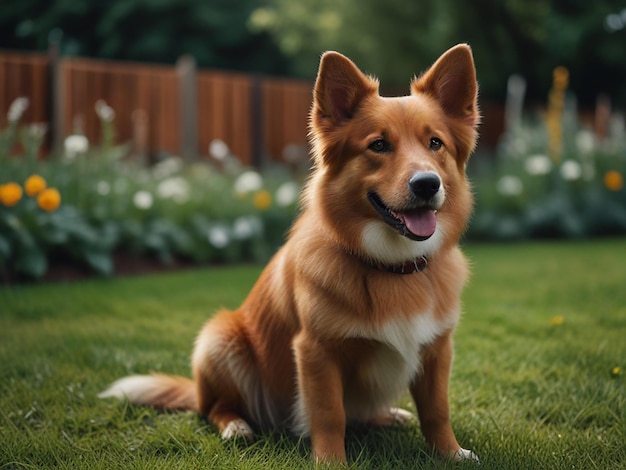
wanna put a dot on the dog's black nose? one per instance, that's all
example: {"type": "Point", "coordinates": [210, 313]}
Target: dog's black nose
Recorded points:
{"type": "Point", "coordinates": [425, 184]}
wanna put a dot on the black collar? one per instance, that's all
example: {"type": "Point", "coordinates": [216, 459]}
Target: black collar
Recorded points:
{"type": "Point", "coordinates": [409, 267]}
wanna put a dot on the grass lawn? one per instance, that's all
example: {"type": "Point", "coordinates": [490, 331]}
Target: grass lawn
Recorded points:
{"type": "Point", "coordinates": [534, 385]}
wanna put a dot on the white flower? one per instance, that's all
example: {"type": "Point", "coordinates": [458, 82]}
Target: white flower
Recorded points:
{"type": "Point", "coordinates": [286, 194]}
{"type": "Point", "coordinates": [104, 111]}
{"type": "Point", "coordinates": [175, 188]}
{"type": "Point", "coordinates": [218, 236]}
{"type": "Point", "coordinates": [538, 165]}
{"type": "Point", "coordinates": [143, 200]}
{"type": "Point", "coordinates": [167, 167]}
{"type": "Point", "coordinates": [75, 145]}
{"type": "Point", "coordinates": [571, 170]}
{"type": "Point", "coordinates": [248, 181]}
{"type": "Point", "coordinates": [218, 149]}
{"type": "Point", "coordinates": [585, 141]}
{"type": "Point", "coordinates": [17, 108]}
{"type": "Point", "coordinates": [510, 186]}
{"type": "Point", "coordinates": [246, 227]}
{"type": "Point", "coordinates": [103, 188]}
{"type": "Point", "coordinates": [37, 130]}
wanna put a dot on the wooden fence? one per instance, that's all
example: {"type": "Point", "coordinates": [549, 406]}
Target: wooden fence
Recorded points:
{"type": "Point", "coordinates": [25, 75]}
{"type": "Point", "coordinates": [159, 108]}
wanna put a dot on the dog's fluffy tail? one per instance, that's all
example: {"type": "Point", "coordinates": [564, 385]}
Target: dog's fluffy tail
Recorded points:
{"type": "Point", "coordinates": [157, 390]}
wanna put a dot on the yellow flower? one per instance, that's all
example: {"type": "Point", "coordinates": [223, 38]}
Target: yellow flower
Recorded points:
{"type": "Point", "coordinates": [34, 185]}
{"type": "Point", "coordinates": [262, 200]}
{"type": "Point", "coordinates": [49, 199]}
{"type": "Point", "coordinates": [558, 320]}
{"type": "Point", "coordinates": [560, 77]}
{"type": "Point", "coordinates": [616, 371]}
{"type": "Point", "coordinates": [10, 194]}
{"type": "Point", "coordinates": [613, 180]}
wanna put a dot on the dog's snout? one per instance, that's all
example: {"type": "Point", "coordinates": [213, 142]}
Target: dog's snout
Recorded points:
{"type": "Point", "coordinates": [425, 184]}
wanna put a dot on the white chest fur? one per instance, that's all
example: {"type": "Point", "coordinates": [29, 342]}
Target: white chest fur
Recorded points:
{"type": "Point", "coordinates": [407, 335]}
{"type": "Point", "coordinates": [384, 376]}
{"type": "Point", "coordinates": [396, 361]}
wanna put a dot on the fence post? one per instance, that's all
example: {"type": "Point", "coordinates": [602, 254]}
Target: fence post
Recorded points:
{"type": "Point", "coordinates": [515, 91]}
{"type": "Point", "coordinates": [57, 92]}
{"type": "Point", "coordinates": [256, 122]}
{"type": "Point", "coordinates": [139, 118]}
{"type": "Point", "coordinates": [186, 70]}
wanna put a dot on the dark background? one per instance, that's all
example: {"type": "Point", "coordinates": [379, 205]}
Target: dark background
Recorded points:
{"type": "Point", "coordinates": [392, 39]}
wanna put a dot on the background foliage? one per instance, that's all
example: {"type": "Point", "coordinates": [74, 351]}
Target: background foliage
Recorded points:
{"type": "Point", "coordinates": [395, 38]}
{"type": "Point", "coordinates": [198, 213]}
{"type": "Point", "coordinates": [527, 193]}
{"type": "Point", "coordinates": [216, 211]}
{"type": "Point", "coordinates": [214, 32]}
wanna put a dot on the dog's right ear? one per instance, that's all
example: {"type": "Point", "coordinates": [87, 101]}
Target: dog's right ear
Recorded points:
{"type": "Point", "coordinates": [339, 88]}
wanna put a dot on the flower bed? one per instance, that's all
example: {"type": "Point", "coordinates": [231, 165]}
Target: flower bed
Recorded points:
{"type": "Point", "coordinates": [172, 211]}
{"type": "Point", "coordinates": [89, 207]}
{"type": "Point", "coordinates": [525, 193]}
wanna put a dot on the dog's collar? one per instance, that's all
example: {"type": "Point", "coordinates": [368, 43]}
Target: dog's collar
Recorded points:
{"type": "Point", "coordinates": [416, 265]}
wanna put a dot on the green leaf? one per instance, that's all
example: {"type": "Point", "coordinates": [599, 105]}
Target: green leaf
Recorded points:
{"type": "Point", "coordinates": [32, 262]}
{"type": "Point", "coordinates": [25, 239]}
{"type": "Point", "coordinates": [5, 249]}
{"type": "Point", "coordinates": [52, 233]}
{"type": "Point", "coordinates": [108, 235]}
{"type": "Point", "coordinates": [100, 262]}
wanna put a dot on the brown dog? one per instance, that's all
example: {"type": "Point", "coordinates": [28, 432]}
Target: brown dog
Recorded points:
{"type": "Point", "coordinates": [361, 302]}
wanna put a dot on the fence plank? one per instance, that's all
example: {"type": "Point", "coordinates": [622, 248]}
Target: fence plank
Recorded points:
{"type": "Point", "coordinates": [224, 112]}
{"type": "Point", "coordinates": [285, 114]}
{"type": "Point", "coordinates": [23, 74]}
{"type": "Point", "coordinates": [227, 106]}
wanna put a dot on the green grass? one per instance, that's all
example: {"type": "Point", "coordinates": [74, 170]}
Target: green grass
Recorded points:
{"type": "Point", "coordinates": [527, 391]}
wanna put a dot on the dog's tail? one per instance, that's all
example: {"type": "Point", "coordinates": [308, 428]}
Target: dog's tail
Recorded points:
{"type": "Point", "coordinates": [157, 390]}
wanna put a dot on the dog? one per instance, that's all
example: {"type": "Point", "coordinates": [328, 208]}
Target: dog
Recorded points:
{"type": "Point", "coordinates": [360, 303]}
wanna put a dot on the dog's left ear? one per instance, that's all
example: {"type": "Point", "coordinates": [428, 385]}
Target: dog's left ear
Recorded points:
{"type": "Point", "coordinates": [452, 81]}
{"type": "Point", "coordinates": [339, 88]}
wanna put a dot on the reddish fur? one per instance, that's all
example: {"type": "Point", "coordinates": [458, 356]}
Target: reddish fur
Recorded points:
{"type": "Point", "coordinates": [299, 332]}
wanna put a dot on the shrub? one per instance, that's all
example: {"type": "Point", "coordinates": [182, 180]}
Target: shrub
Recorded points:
{"type": "Point", "coordinates": [526, 193]}
{"type": "Point", "coordinates": [89, 205]}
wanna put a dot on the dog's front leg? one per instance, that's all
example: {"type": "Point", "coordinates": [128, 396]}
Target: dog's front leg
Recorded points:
{"type": "Point", "coordinates": [320, 386]}
{"type": "Point", "coordinates": [430, 392]}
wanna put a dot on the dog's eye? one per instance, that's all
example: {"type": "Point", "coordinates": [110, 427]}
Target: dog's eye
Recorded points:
{"type": "Point", "coordinates": [380, 146]}
{"type": "Point", "coordinates": [435, 143]}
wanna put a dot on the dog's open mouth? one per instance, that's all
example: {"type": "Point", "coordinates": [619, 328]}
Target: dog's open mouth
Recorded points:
{"type": "Point", "coordinates": [416, 224]}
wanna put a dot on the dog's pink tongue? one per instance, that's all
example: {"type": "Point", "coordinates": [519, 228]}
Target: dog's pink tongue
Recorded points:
{"type": "Point", "coordinates": [420, 222]}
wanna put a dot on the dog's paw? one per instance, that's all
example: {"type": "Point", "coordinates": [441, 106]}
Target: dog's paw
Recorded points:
{"type": "Point", "coordinates": [401, 417]}
{"type": "Point", "coordinates": [393, 417]}
{"type": "Point", "coordinates": [238, 428]}
{"type": "Point", "coordinates": [464, 455]}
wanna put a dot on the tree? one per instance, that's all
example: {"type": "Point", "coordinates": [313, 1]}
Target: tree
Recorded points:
{"type": "Point", "coordinates": [397, 38]}
{"type": "Point", "coordinates": [392, 38]}
{"type": "Point", "coordinates": [215, 32]}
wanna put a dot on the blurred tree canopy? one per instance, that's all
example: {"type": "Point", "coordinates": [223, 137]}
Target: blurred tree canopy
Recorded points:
{"type": "Point", "coordinates": [395, 39]}
{"type": "Point", "coordinates": [215, 32]}
{"type": "Point", "coordinates": [392, 39]}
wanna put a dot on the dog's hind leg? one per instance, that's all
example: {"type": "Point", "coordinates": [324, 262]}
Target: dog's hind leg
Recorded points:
{"type": "Point", "coordinates": [221, 361]}
{"type": "Point", "coordinates": [224, 411]}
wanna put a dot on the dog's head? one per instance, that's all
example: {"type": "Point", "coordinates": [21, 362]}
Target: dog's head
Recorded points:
{"type": "Point", "coordinates": [390, 172]}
